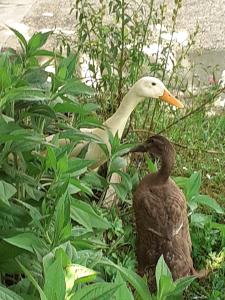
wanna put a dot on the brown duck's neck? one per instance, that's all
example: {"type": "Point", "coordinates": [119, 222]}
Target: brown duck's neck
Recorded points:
{"type": "Point", "coordinates": [167, 163]}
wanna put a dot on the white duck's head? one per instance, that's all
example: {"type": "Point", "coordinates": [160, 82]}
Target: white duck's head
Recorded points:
{"type": "Point", "coordinates": [151, 87]}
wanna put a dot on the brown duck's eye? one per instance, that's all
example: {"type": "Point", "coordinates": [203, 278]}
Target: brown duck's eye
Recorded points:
{"type": "Point", "coordinates": [153, 83]}
{"type": "Point", "coordinates": [151, 140]}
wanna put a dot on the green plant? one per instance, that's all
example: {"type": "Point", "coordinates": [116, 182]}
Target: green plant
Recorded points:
{"type": "Point", "coordinates": [56, 241]}
{"type": "Point", "coordinates": [166, 287]}
{"type": "Point", "coordinates": [52, 234]}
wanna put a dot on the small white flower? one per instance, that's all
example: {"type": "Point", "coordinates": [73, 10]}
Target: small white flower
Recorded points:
{"type": "Point", "coordinates": [185, 169]}
{"type": "Point", "coordinates": [208, 176]}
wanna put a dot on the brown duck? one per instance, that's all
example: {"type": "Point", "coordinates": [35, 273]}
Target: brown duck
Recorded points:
{"type": "Point", "coordinates": [161, 217]}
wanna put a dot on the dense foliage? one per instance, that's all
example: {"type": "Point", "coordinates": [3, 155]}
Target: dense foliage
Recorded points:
{"type": "Point", "coordinates": [56, 239]}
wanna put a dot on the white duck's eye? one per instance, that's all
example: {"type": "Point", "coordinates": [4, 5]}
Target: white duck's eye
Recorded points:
{"type": "Point", "coordinates": [153, 83]}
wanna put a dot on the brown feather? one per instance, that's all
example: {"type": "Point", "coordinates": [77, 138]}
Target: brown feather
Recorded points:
{"type": "Point", "coordinates": [161, 218]}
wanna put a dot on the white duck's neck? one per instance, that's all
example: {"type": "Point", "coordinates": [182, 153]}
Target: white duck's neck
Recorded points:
{"type": "Point", "coordinates": [118, 120]}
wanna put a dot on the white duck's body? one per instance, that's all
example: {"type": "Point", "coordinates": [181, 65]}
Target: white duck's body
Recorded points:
{"type": "Point", "coordinates": [146, 87]}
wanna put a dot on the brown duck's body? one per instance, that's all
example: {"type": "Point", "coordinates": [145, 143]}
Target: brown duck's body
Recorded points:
{"type": "Point", "coordinates": [161, 218]}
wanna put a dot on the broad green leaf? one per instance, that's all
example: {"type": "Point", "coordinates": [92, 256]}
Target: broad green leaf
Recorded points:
{"type": "Point", "coordinates": [84, 214]}
{"type": "Point", "coordinates": [42, 110]}
{"type": "Point", "coordinates": [181, 181]}
{"type": "Point", "coordinates": [62, 164]}
{"type": "Point", "coordinates": [23, 94]}
{"type": "Point", "coordinates": [75, 274]}
{"type": "Point", "coordinates": [166, 287]}
{"type": "Point", "coordinates": [78, 166]}
{"type": "Point", "coordinates": [193, 186]}
{"type": "Point", "coordinates": [161, 269]}
{"type": "Point", "coordinates": [26, 240]}
{"type": "Point", "coordinates": [200, 220]}
{"type": "Point", "coordinates": [35, 76]}
{"type": "Point", "coordinates": [6, 294]}
{"type": "Point", "coordinates": [7, 251]}
{"type": "Point", "coordinates": [117, 164]}
{"type": "Point", "coordinates": [75, 87]}
{"type": "Point", "coordinates": [68, 107]}
{"type": "Point", "coordinates": [33, 281]}
{"type": "Point", "coordinates": [123, 291]}
{"type": "Point", "coordinates": [62, 220]}
{"type": "Point", "coordinates": [67, 63]}
{"type": "Point", "coordinates": [182, 284]}
{"type": "Point", "coordinates": [134, 279]}
{"type": "Point", "coordinates": [6, 191]}
{"type": "Point", "coordinates": [97, 291]}
{"type": "Point", "coordinates": [80, 186]}
{"type": "Point", "coordinates": [55, 286]}
{"type": "Point", "coordinates": [37, 41]}
{"type": "Point", "coordinates": [208, 201]}
{"type": "Point", "coordinates": [95, 180]}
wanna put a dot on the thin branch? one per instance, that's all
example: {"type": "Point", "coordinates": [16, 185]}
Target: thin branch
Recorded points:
{"type": "Point", "coordinates": [192, 111]}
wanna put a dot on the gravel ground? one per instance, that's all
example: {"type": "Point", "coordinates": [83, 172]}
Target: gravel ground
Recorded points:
{"type": "Point", "coordinates": [50, 14]}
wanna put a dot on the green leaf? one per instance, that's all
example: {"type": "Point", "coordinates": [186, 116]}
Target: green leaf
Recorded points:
{"type": "Point", "coordinates": [79, 274]}
{"type": "Point", "coordinates": [151, 166]}
{"type": "Point", "coordinates": [120, 190]}
{"type": "Point", "coordinates": [123, 291]}
{"type": "Point", "coordinates": [20, 37]}
{"type": "Point", "coordinates": [134, 279]}
{"type": "Point", "coordinates": [62, 220]}
{"type": "Point", "coordinates": [62, 164]}
{"type": "Point", "coordinates": [219, 226]}
{"type": "Point", "coordinates": [43, 52]}
{"type": "Point", "coordinates": [75, 87]}
{"type": "Point", "coordinates": [32, 280]}
{"type": "Point", "coordinates": [6, 294]}
{"type": "Point", "coordinates": [77, 135]}
{"type": "Point", "coordinates": [55, 286]}
{"type": "Point", "coordinates": [166, 287]}
{"type": "Point", "coordinates": [68, 107]}
{"type": "Point", "coordinates": [182, 284]}
{"type": "Point", "coordinates": [6, 191]}
{"type": "Point", "coordinates": [78, 166]}
{"type": "Point", "coordinates": [97, 291]}
{"type": "Point", "coordinates": [23, 94]}
{"type": "Point", "coordinates": [161, 269]}
{"type": "Point", "coordinates": [208, 201]}
{"type": "Point", "coordinates": [51, 160]}
{"type": "Point", "coordinates": [193, 185]}
{"type": "Point", "coordinates": [67, 64]}
{"type": "Point", "coordinates": [117, 163]}
{"type": "Point", "coordinates": [42, 110]}
{"type": "Point", "coordinates": [26, 240]}
{"type": "Point", "coordinates": [37, 41]}
{"type": "Point", "coordinates": [181, 181]}
{"type": "Point", "coordinates": [84, 214]}
{"type": "Point", "coordinates": [35, 76]}
{"type": "Point", "coordinates": [200, 220]}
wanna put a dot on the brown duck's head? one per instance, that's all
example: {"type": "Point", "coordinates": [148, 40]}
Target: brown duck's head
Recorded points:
{"type": "Point", "coordinates": [157, 145]}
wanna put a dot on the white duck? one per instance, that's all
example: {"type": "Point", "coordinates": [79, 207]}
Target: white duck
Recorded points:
{"type": "Point", "coordinates": [146, 87]}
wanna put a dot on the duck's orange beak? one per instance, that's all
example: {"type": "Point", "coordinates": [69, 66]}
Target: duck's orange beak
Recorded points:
{"type": "Point", "coordinates": [167, 97]}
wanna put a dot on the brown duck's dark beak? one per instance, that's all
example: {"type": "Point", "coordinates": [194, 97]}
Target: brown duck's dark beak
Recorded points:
{"type": "Point", "coordinates": [139, 148]}
{"type": "Point", "coordinates": [169, 98]}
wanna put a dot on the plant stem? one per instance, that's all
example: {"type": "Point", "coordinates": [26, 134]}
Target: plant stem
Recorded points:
{"type": "Point", "coordinates": [121, 63]}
